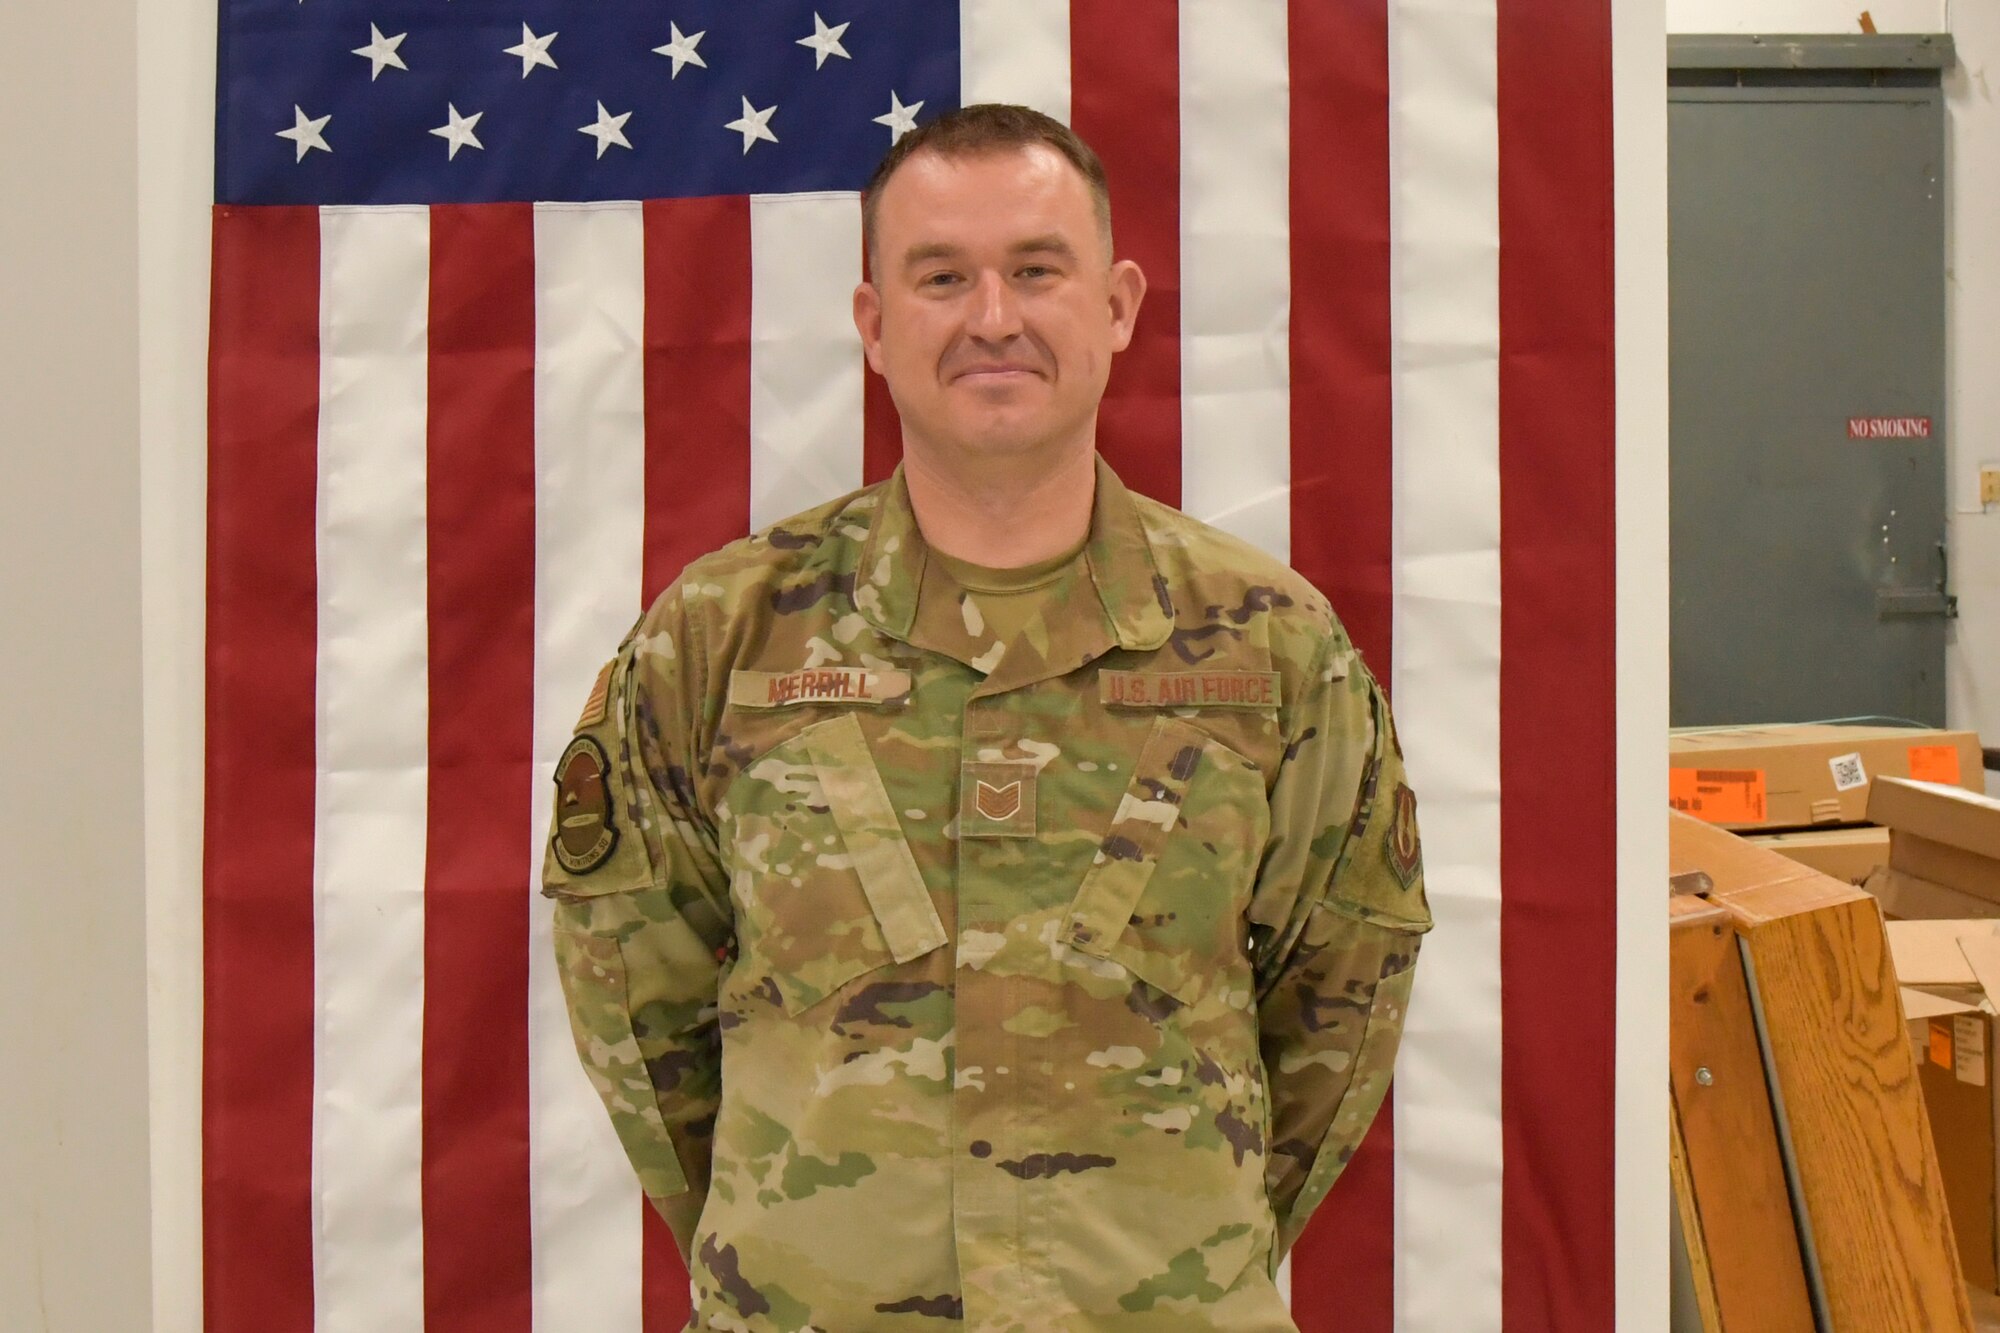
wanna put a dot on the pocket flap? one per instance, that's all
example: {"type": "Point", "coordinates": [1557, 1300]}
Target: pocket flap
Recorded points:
{"type": "Point", "coordinates": [874, 838]}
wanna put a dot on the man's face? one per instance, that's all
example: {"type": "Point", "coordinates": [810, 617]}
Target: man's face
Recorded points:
{"type": "Point", "coordinates": [995, 309]}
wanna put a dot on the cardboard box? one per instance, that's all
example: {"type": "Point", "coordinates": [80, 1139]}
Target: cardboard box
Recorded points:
{"type": "Point", "coordinates": [1944, 875]}
{"type": "Point", "coordinates": [1852, 854]}
{"type": "Point", "coordinates": [1807, 774]}
{"type": "Point", "coordinates": [1945, 969]}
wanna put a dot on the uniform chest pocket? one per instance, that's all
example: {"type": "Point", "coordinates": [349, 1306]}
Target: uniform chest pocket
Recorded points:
{"type": "Point", "coordinates": [1166, 891]}
{"type": "Point", "coordinates": [824, 884]}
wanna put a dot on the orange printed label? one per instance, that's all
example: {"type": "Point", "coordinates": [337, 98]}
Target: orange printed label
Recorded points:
{"type": "Point", "coordinates": [1718, 795]}
{"type": "Point", "coordinates": [1935, 763]}
{"type": "Point", "coordinates": [1941, 1044]}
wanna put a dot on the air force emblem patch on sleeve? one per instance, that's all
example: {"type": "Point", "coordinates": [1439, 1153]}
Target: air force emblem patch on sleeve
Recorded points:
{"type": "Point", "coordinates": [585, 834]}
{"type": "Point", "coordinates": [1405, 854]}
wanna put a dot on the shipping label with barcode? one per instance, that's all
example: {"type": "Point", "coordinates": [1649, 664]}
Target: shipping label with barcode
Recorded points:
{"type": "Point", "coordinates": [1847, 772]}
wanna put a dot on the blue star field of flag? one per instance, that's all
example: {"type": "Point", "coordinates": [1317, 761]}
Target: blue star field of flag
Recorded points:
{"type": "Point", "coordinates": [475, 101]}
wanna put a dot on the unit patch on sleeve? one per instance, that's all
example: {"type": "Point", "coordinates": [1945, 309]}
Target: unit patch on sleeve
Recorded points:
{"type": "Point", "coordinates": [1405, 853]}
{"type": "Point", "coordinates": [585, 833]}
{"type": "Point", "coordinates": [1188, 689]}
{"type": "Point", "coordinates": [818, 685]}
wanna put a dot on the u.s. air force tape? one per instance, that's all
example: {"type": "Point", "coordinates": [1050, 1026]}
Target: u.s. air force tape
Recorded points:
{"type": "Point", "coordinates": [867, 686]}
{"type": "Point", "coordinates": [1188, 689]}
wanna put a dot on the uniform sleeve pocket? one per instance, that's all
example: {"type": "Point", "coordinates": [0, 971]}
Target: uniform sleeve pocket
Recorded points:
{"type": "Point", "coordinates": [593, 974]}
{"type": "Point", "coordinates": [827, 888]}
{"type": "Point", "coordinates": [1374, 1063]}
{"type": "Point", "coordinates": [1166, 891]}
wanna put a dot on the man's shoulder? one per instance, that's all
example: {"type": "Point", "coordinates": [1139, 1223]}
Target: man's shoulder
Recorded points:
{"type": "Point", "coordinates": [1229, 578]}
{"type": "Point", "coordinates": [740, 578]}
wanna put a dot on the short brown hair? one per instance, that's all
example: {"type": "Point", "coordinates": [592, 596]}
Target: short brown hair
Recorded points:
{"type": "Point", "coordinates": [990, 127]}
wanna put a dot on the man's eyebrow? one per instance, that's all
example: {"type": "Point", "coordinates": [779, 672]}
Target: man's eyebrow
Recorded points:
{"type": "Point", "coordinates": [1050, 244]}
{"type": "Point", "coordinates": [925, 251]}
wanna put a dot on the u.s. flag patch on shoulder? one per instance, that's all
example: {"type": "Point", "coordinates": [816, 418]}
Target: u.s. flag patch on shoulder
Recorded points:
{"type": "Point", "coordinates": [593, 707]}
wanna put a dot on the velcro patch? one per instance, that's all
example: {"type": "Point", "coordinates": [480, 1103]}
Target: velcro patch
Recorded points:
{"type": "Point", "coordinates": [996, 800]}
{"type": "Point", "coordinates": [593, 707]}
{"type": "Point", "coordinates": [1188, 689]}
{"type": "Point", "coordinates": [1405, 853]}
{"type": "Point", "coordinates": [818, 685]}
{"type": "Point", "coordinates": [585, 833]}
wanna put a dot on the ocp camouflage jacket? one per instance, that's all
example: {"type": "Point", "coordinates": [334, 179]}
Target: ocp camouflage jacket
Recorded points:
{"type": "Point", "coordinates": [934, 981]}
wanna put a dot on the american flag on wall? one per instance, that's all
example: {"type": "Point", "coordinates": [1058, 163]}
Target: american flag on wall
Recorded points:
{"type": "Point", "coordinates": [517, 307]}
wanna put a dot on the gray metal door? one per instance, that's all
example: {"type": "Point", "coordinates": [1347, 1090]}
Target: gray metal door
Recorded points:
{"type": "Point", "coordinates": [1807, 436]}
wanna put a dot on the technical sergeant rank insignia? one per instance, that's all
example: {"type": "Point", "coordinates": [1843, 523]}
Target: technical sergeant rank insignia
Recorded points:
{"type": "Point", "coordinates": [996, 800]}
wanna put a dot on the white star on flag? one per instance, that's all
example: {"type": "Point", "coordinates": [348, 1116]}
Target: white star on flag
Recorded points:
{"type": "Point", "coordinates": [457, 131]}
{"type": "Point", "coordinates": [305, 132]}
{"type": "Point", "coordinates": [607, 130]}
{"type": "Point", "coordinates": [753, 124]}
{"type": "Point", "coordinates": [825, 41]}
{"type": "Point", "coordinates": [900, 119]}
{"type": "Point", "coordinates": [533, 50]}
{"type": "Point", "coordinates": [682, 49]}
{"type": "Point", "coordinates": [381, 51]}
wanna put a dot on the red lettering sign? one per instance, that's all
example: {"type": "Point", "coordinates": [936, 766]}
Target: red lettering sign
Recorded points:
{"type": "Point", "coordinates": [1888, 428]}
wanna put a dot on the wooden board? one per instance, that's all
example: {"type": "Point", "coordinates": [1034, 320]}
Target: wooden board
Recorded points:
{"type": "Point", "coordinates": [1729, 1176]}
{"type": "Point", "coordinates": [1859, 1136]}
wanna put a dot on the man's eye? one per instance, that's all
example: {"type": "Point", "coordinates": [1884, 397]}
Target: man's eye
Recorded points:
{"type": "Point", "coordinates": [1036, 271]}
{"type": "Point", "coordinates": [940, 279]}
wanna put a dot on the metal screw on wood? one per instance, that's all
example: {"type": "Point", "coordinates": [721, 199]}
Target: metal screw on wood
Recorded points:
{"type": "Point", "coordinates": [1703, 1076]}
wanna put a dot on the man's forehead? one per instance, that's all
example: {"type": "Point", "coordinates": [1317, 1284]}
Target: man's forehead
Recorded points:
{"type": "Point", "coordinates": [1016, 198]}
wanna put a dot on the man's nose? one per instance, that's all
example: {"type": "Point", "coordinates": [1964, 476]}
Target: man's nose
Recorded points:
{"type": "Point", "coordinates": [996, 311]}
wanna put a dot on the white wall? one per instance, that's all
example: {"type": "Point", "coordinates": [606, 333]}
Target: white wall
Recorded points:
{"type": "Point", "coordinates": [73, 1056]}
{"type": "Point", "coordinates": [1972, 367]}
{"type": "Point", "coordinates": [1809, 15]}
{"type": "Point", "coordinates": [1972, 294]}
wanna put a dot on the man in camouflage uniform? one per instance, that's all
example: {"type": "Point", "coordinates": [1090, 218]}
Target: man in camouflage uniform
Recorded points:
{"type": "Point", "coordinates": [957, 948]}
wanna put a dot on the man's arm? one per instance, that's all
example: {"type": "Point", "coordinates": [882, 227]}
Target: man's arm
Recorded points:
{"type": "Point", "coordinates": [642, 916]}
{"type": "Point", "coordinates": [1339, 910]}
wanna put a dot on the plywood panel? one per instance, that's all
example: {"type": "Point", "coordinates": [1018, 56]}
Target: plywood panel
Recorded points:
{"type": "Point", "coordinates": [1731, 1181]}
{"type": "Point", "coordinates": [1863, 1149]}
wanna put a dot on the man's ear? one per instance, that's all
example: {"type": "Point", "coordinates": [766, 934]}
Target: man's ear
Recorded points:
{"type": "Point", "coordinates": [1128, 289]}
{"type": "Point", "coordinates": [868, 323]}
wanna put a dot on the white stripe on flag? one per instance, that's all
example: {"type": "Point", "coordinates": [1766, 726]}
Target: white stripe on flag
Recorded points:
{"type": "Point", "coordinates": [806, 368]}
{"type": "Point", "coordinates": [590, 473]}
{"type": "Point", "coordinates": [1015, 51]}
{"type": "Point", "coordinates": [373, 736]}
{"type": "Point", "coordinates": [1444, 150]}
{"type": "Point", "coordinates": [1236, 272]}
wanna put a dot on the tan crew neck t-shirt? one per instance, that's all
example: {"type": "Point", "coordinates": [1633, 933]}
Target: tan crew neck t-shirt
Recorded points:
{"type": "Point", "coordinates": [1007, 599]}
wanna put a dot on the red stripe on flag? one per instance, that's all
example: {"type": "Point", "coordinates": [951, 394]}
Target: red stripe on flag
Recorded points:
{"type": "Point", "coordinates": [263, 617]}
{"type": "Point", "coordinates": [1125, 101]}
{"type": "Point", "coordinates": [663, 1293]}
{"type": "Point", "coordinates": [1342, 428]}
{"type": "Point", "coordinates": [480, 507]}
{"type": "Point", "coordinates": [881, 428]}
{"type": "Point", "coordinates": [1558, 684]}
{"type": "Point", "coordinates": [697, 483]}
{"type": "Point", "coordinates": [697, 368]}
{"type": "Point", "coordinates": [1343, 1267]}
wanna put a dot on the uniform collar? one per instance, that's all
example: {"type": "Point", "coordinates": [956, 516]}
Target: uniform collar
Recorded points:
{"type": "Point", "coordinates": [1118, 560]}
